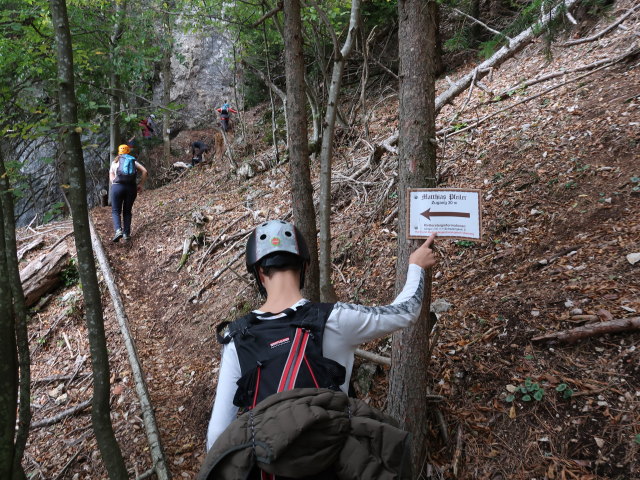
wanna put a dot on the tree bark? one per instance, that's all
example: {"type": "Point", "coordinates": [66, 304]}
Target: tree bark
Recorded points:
{"type": "Point", "coordinates": [73, 166]}
{"type": "Point", "coordinates": [21, 317]}
{"type": "Point", "coordinates": [166, 83]}
{"type": "Point", "coordinates": [8, 364]}
{"type": "Point", "coordinates": [304, 214]}
{"type": "Point", "coordinates": [327, 292]}
{"type": "Point", "coordinates": [417, 166]}
{"type": "Point", "coordinates": [114, 82]}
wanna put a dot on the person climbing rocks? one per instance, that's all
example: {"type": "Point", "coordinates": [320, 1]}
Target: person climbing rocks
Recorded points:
{"type": "Point", "coordinates": [198, 150]}
{"type": "Point", "coordinates": [124, 190]}
{"type": "Point", "coordinates": [225, 114]}
{"type": "Point", "coordinates": [147, 128]}
{"type": "Point", "coordinates": [291, 342]}
{"type": "Point", "coordinates": [151, 123]}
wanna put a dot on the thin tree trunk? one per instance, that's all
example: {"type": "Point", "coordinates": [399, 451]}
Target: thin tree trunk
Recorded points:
{"type": "Point", "coordinates": [115, 138]}
{"type": "Point", "coordinates": [76, 178]}
{"type": "Point", "coordinates": [312, 98]}
{"type": "Point", "coordinates": [274, 88]}
{"type": "Point", "coordinates": [166, 85]}
{"type": "Point", "coordinates": [301, 189]}
{"type": "Point", "coordinates": [417, 165]}
{"type": "Point", "coordinates": [114, 82]}
{"type": "Point", "coordinates": [327, 292]}
{"type": "Point", "coordinates": [20, 314]}
{"type": "Point", "coordinates": [274, 126]}
{"type": "Point", "coordinates": [8, 365]}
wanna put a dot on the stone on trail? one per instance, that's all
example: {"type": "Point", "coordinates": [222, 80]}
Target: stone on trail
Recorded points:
{"type": "Point", "coordinates": [633, 258]}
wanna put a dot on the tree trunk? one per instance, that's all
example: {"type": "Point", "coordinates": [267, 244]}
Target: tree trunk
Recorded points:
{"type": "Point", "coordinates": [76, 178]}
{"type": "Point", "coordinates": [8, 365]}
{"type": "Point", "coordinates": [327, 292]}
{"type": "Point", "coordinates": [115, 138]}
{"type": "Point", "coordinates": [166, 85]}
{"type": "Point", "coordinates": [304, 214]}
{"type": "Point", "coordinates": [417, 166]}
{"type": "Point", "coordinates": [20, 313]}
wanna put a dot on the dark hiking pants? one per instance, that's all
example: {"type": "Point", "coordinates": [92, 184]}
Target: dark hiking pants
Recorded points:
{"type": "Point", "coordinates": [122, 198]}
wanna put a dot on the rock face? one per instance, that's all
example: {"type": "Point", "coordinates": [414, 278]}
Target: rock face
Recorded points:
{"type": "Point", "coordinates": [202, 78]}
{"type": "Point", "coordinates": [42, 199]}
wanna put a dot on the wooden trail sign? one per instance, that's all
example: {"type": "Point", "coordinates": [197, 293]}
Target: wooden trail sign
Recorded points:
{"type": "Point", "coordinates": [451, 213]}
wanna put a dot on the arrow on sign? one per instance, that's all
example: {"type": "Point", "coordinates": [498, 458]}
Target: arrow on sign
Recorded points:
{"type": "Point", "coordinates": [428, 214]}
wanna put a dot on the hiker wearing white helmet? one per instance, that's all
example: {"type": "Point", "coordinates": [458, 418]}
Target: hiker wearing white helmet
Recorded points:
{"type": "Point", "coordinates": [290, 342]}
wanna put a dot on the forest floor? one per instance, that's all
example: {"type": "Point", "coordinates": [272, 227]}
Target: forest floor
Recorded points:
{"type": "Point", "coordinates": [560, 182]}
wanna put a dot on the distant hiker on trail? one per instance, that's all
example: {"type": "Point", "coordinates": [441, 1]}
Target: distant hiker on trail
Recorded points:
{"type": "Point", "coordinates": [152, 125]}
{"type": "Point", "coordinates": [147, 128]}
{"type": "Point", "coordinates": [292, 343]}
{"type": "Point", "coordinates": [225, 113]}
{"type": "Point", "coordinates": [122, 175]}
{"type": "Point", "coordinates": [198, 149]}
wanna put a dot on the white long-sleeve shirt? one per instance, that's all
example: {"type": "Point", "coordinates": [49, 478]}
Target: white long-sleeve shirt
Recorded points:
{"type": "Point", "coordinates": [348, 326]}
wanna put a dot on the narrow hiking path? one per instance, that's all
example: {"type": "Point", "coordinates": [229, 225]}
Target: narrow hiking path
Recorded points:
{"type": "Point", "coordinates": [173, 334]}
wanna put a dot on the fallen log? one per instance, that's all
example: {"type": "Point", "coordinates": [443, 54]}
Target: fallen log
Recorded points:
{"type": "Point", "coordinates": [148, 416]}
{"type": "Point", "coordinates": [43, 274]}
{"type": "Point", "coordinates": [591, 330]}
{"type": "Point", "coordinates": [514, 46]}
{"type": "Point", "coordinates": [186, 247]}
{"type": "Point", "coordinates": [37, 243]}
{"type": "Point", "coordinates": [602, 33]}
{"type": "Point", "coordinates": [61, 416]}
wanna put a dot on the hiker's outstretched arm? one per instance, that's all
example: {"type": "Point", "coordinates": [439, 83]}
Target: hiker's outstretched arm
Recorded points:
{"type": "Point", "coordinates": [356, 324]}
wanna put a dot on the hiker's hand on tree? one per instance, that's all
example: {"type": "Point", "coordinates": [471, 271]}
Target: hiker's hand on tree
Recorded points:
{"type": "Point", "coordinates": [423, 256]}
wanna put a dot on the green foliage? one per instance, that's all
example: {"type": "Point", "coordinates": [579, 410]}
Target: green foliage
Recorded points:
{"type": "Point", "coordinates": [529, 391]}
{"type": "Point", "coordinates": [465, 244]}
{"type": "Point", "coordinates": [53, 212]}
{"type": "Point", "coordinates": [564, 390]}
{"type": "Point", "coordinates": [70, 275]}
{"type": "Point", "coordinates": [637, 439]}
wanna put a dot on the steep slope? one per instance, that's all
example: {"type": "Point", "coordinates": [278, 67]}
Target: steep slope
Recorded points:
{"type": "Point", "coordinates": [559, 176]}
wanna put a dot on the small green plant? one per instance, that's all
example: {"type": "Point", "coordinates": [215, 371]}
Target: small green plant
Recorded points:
{"type": "Point", "coordinates": [459, 126]}
{"type": "Point", "coordinates": [70, 276]}
{"type": "Point", "coordinates": [570, 185]}
{"type": "Point", "coordinates": [465, 243]}
{"type": "Point", "coordinates": [564, 390]}
{"type": "Point", "coordinates": [529, 390]}
{"type": "Point", "coordinates": [637, 439]}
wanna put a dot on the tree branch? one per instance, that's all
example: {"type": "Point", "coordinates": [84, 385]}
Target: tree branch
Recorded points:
{"type": "Point", "coordinates": [602, 33]}
{"type": "Point", "coordinates": [591, 330]}
{"type": "Point", "coordinates": [268, 15]}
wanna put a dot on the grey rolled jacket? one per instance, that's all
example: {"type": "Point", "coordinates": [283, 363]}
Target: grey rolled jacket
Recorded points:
{"type": "Point", "coordinates": [306, 431]}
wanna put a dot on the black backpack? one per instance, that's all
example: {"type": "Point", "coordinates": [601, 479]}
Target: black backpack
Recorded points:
{"type": "Point", "coordinates": [282, 353]}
